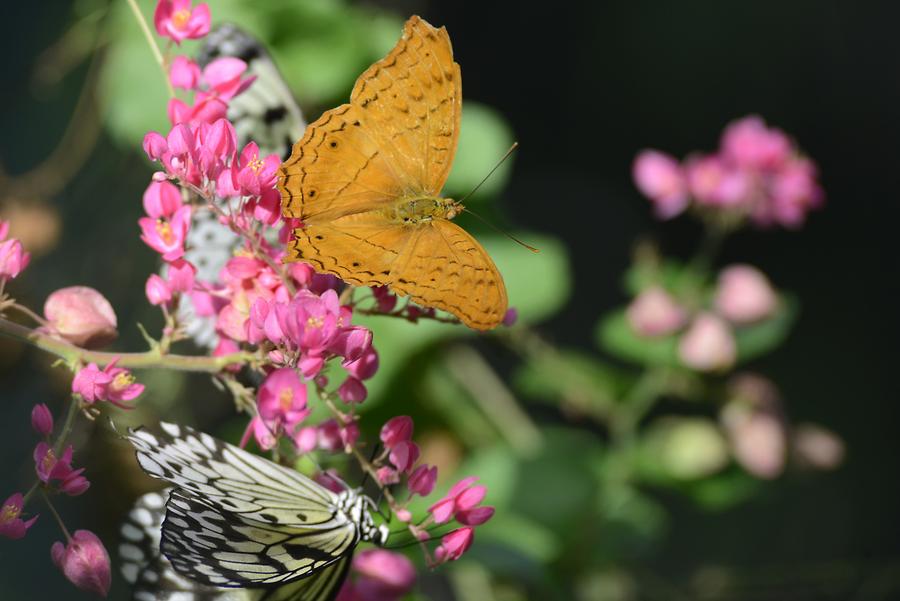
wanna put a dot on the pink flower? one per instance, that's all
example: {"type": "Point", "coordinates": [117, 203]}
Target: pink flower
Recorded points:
{"type": "Point", "coordinates": [281, 400]}
{"type": "Point", "coordinates": [223, 78]}
{"type": "Point", "coordinates": [454, 544]}
{"type": "Point", "coordinates": [84, 561]}
{"type": "Point", "coordinates": [176, 20]}
{"type": "Point", "coordinates": [335, 437]}
{"type": "Point", "coordinates": [708, 344]}
{"type": "Point", "coordinates": [154, 145]}
{"type": "Point", "coordinates": [82, 316]}
{"type": "Point", "coordinates": [352, 391]}
{"type": "Point", "coordinates": [253, 175]}
{"type": "Point", "coordinates": [42, 419]}
{"type": "Point", "coordinates": [184, 73]}
{"type": "Point", "coordinates": [758, 439]}
{"type": "Point", "coordinates": [162, 199]}
{"type": "Point", "coordinates": [794, 191]}
{"type": "Point", "coordinates": [511, 317]}
{"type": "Point", "coordinates": [660, 178]}
{"type": "Point", "coordinates": [11, 524]}
{"type": "Point", "coordinates": [654, 312]}
{"type": "Point", "coordinates": [463, 496]}
{"type": "Point", "coordinates": [421, 481]}
{"type": "Point", "coordinates": [166, 236]}
{"type": "Point", "coordinates": [818, 447]}
{"type": "Point", "coordinates": [382, 575]}
{"type": "Point", "coordinates": [113, 384]}
{"type": "Point", "coordinates": [180, 274]}
{"type": "Point", "coordinates": [474, 516]}
{"type": "Point", "coordinates": [51, 468]}
{"type": "Point", "coordinates": [215, 147]}
{"type": "Point", "coordinates": [749, 143]}
{"type": "Point", "coordinates": [204, 111]}
{"type": "Point", "coordinates": [157, 290]}
{"type": "Point", "coordinates": [13, 258]}
{"type": "Point", "coordinates": [404, 455]}
{"type": "Point", "coordinates": [385, 299]}
{"type": "Point", "coordinates": [744, 295]}
{"type": "Point", "coordinates": [714, 182]}
{"type": "Point", "coordinates": [305, 439]}
{"type": "Point", "coordinates": [396, 430]}
{"type": "Point", "coordinates": [366, 365]}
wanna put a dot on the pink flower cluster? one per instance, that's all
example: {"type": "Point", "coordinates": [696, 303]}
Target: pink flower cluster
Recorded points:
{"type": "Point", "coordinates": [378, 575]}
{"type": "Point", "coordinates": [51, 468]}
{"type": "Point", "coordinates": [757, 172]}
{"type": "Point", "coordinates": [13, 257]}
{"type": "Point", "coordinates": [742, 296]}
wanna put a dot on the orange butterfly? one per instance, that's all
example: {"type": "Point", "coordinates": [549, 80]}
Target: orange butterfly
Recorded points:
{"type": "Point", "coordinates": [366, 178]}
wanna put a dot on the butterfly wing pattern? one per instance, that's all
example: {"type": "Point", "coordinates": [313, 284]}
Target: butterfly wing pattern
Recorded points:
{"type": "Point", "coordinates": [237, 520]}
{"type": "Point", "coordinates": [365, 180]}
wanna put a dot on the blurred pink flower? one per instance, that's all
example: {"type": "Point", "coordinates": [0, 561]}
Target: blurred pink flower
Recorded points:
{"type": "Point", "coordinates": [42, 419]}
{"type": "Point", "coordinates": [352, 390]}
{"type": "Point", "coordinates": [404, 455]}
{"type": "Point", "coordinates": [82, 316]}
{"type": "Point", "coordinates": [379, 575]}
{"type": "Point", "coordinates": [224, 78]}
{"type": "Point", "coordinates": [758, 438]}
{"type": "Point", "coordinates": [817, 447]}
{"type": "Point", "coordinates": [749, 143]}
{"type": "Point", "coordinates": [162, 199]}
{"type": "Point", "coordinates": [462, 496]}
{"type": "Point", "coordinates": [13, 258]}
{"type": "Point", "coordinates": [714, 182]}
{"type": "Point", "coordinates": [654, 312]}
{"type": "Point", "coordinates": [396, 430]}
{"type": "Point", "coordinates": [180, 275]}
{"type": "Point", "coordinates": [708, 344]}
{"type": "Point", "coordinates": [744, 295]}
{"type": "Point", "coordinates": [176, 19]}
{"type": "Point", "coordinates": [84, 561]}
{"type": "Point", "coordinates": [454, 544]}
{"type": "Point", "coordinates": [184, 73]}
{"type": "Point", "coordinates": [157, 290]}
{"type": "Point", "coordinates": [421, 481]}
{"type": "Point", "coordinates": [11, 524]}
{"type": "Point", "coordinates": [660, 178]}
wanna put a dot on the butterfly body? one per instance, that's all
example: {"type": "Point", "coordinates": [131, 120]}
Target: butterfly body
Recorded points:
{"type": "Point", "coordinates": [366, 178]}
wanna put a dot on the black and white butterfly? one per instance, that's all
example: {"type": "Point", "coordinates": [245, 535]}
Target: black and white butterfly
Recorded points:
{"type": "Point", "coordinates": [265, 113]}
{"type": "Point", "coordinates": [234, 519]}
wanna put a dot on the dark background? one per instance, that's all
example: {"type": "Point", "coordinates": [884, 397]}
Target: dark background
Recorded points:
{"type": "Point", "coordinates": [586, 86]}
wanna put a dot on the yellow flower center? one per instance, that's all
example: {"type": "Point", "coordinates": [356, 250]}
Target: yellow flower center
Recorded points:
{"type": "Point", "coordinates": [256, 165]}
{"type": "Point", "coordinates": [180, 18]}
{"type": "Point", "coordinates": [286, 398]}
{"type": "Point", "coordinates": [165, 231]}
{"type": "Point", "coordinates": [48, 461]}
{"type": "Point", "coordinates": [315, 322]}
{"type": "Point", "coordinates": [122, 381]}
{"type": "Point", "coordinates": [8, 513]}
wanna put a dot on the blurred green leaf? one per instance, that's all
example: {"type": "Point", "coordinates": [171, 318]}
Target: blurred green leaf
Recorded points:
{"type": "Point", "coordinates": [724, 490]}
{"type": "Point", "coordinates": [526, 536]}
{"type": "Point", "coordinates": [483, 139]}
{"type": "Point", "coordinates": [760, 338]}
{"type": "Point", "coordinates": [632, 521]}
{"type": "Point", "coordinates": [576, 379]}
{"type": "Point", "coordinates": [682, 448]}
{"type": "Point", "coordinates": [616, 336]}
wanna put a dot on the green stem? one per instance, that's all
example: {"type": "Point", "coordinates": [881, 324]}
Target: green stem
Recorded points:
{"type": "Point", "coordinates": [710, 244]}
{"type": "Point", "coordinates": [146, 360]}
{"type": "Point", "coordinates": [71, 412]}
{"type": "Point", "coordinates": [56, 515]}
{"type": "Point", "coordinates": [154, 47]}
{"type": "Point", "coordinates": [637, 404]}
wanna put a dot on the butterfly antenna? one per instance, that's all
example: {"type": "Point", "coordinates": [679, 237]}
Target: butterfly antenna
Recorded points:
{"type": "Point", "coordinates": [504, 232]}
{"type": "Point", "coordinates": [491, 172]}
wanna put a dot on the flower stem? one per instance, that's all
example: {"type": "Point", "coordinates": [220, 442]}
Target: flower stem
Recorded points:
{"type": "Point", "coordinates": [71, 412]}
{"type": "Point", "coordinates": [56, 515]}
{"type": "Point", "coordinates": [154, 47]}
{"type": "Point", "coordinates": [146, 360]}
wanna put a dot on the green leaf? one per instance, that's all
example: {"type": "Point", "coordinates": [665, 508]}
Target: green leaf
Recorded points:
{"type": "Point", "coordinates": [616, 336]}
{"type": "Point", "coordinates": [576, 379]}
{"type": "Point", "coordinates": [681, 449]}
{"type": "Point", "coordinates": [760, 338]}
{"type": "Point", "coordinates": [725, 490]}
{"type": "Point", "coordinates": [483, 139]}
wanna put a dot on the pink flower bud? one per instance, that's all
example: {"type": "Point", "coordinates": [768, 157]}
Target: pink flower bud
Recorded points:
{"type": "Point", "coordinates": [757, 436]}
{"type": "Point", "coordinates": [155, 145]}
{"type": "Point", "coordinates": [404, 515]}
{"type": "Point", "coordinates": [655, 313]}
{"type": "Point", "coordinates": [330, 436]}
{"type": "Point", "coordinates": [42, 419]}
{"type": "Point", "coordinates": [157, 290]}
{"type": "Point", "coordinates": [82, 316]}
{"type": "Point", "coordinates": [454, 544]}
{"type": "Point", "coordinates": [817, 447]}
{"type": "Point", "coordinates": [470, 497]}
{"type": "Point", "coordinates": [660, 178]}
{"type": "Point", "coordinates": [713, 182]}
{"type": "Point", "coordinates": [708, 344]}
{"type": "Point", "coordinates": [397, 429]}
{"type": "Point", "coordinates": [749, 143]}
{"type": "Point", "coordinates": [387, 475]}
{"type": "Point", "coordinates": [180, 274]}
{"type": "Point", "coordinates": [383, 575]}
{"type": "Point", "coordinates": [84, 561]}
{"type": "Point", "coordinates": [510, 317]}
{"type": "Point", "coordinates": [404, 455]}
{"type": "Point", "coordinates": [13, 258]}
{"type": "Point", "coordinates": [305, 439]}
{"type": "Point", "coordinates": [366, 365]}
{"type": "Point", "coordinates": [744, 295]}
{"type": "Point", "coordinates": [184, 73]}
{"type": "Point", "coordinates": [421, 481]}
{"type": "Point", "coordinates": [474, 516]}
{"type": "Point", "coordinates": [352, 391]}
{"type": "Point", "coordinates": [161, 199]}
{"type": "Point", "coordinates": [11, 524]}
